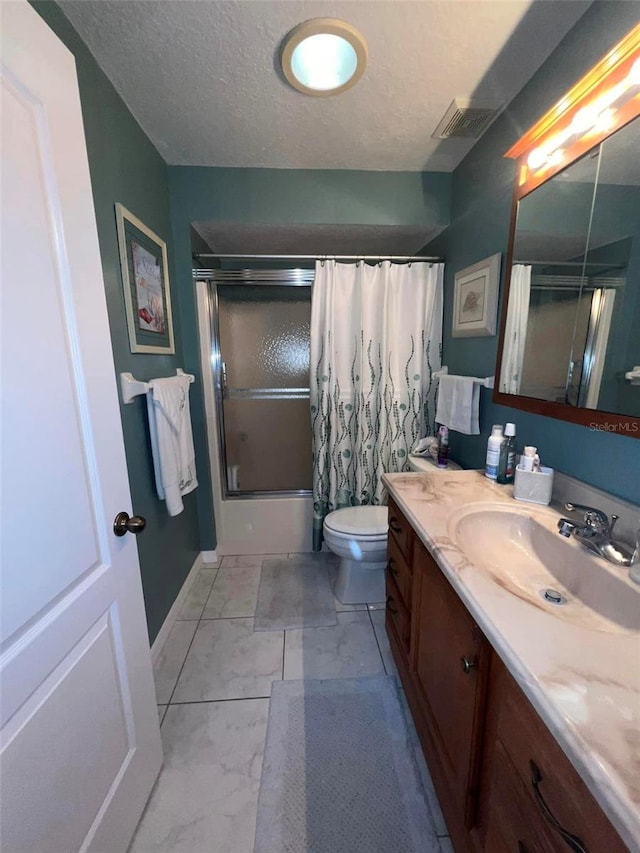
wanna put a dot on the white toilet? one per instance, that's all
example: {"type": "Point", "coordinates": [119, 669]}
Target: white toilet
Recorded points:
{"type": "Point", "coordinates": [358, 535]}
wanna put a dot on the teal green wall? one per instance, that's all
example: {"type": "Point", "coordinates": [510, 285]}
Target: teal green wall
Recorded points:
{"type": "Point", "coordinates": [480, 214]}
{"type": "Point", "coordinates": [125, 167]}
{"type": "Point", "coordinates": [282, 197]}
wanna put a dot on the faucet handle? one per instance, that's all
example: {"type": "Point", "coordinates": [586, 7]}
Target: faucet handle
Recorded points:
{"type": "Point", "coordinates": [635, 557]}
{"type": "Point", "coordinates": [593, 517]}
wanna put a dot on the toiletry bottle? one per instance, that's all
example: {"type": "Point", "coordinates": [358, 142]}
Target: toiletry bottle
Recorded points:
{"type": "Point", "coordinates": [443, 447]}
{"type": "Point", "coordinates": [507, 462]}
{"type": "Point", "coordinates": [493, 452]}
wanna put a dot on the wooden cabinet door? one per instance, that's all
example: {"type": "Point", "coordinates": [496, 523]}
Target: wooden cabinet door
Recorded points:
{"type": "Point", "coordinates": [449, 663]}
{"type": "Point", "coordinates": [526, 773]}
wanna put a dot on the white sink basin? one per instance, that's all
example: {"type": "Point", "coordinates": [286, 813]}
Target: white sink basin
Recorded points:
{"type": "Point", "coordinates": [526, 558]}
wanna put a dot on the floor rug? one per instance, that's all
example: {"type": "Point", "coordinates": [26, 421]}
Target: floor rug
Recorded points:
{"type": "Point", "coordinates": [295, 593]}
{"type": "Point", "coordinates": [339, 774]}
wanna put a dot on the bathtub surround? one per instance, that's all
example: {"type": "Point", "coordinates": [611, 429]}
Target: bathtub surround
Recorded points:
{"type": "Point", "coordinates": [372, 389]}
{"type": "Point", "coordinates": [126, 168]}
{"type": "Point", "coordinates": [480, 215]}
{"type": "Point", "coordinates": [285, 200]}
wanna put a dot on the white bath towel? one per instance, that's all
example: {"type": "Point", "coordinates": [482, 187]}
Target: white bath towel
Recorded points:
{"type": "Point", "coordinates": [174, 461]}
{"type": "Point", "coordinates": [458, 404]}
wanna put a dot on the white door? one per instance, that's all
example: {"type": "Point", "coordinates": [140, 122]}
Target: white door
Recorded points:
{"type": "Point", "coordinates": [79, 731]}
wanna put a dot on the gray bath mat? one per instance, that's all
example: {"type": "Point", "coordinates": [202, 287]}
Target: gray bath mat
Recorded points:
{"type": "Point", "coordinates": [338, 774]}
{"type": "Point", "coordinates": [295, 593]}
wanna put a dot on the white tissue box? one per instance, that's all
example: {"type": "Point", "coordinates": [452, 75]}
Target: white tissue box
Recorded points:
{"type": "Point", "coordinates": [533, 486]}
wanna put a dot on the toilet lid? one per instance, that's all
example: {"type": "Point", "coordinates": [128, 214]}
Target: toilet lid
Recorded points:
{"type": "Point", "coordinates": [359, 520]}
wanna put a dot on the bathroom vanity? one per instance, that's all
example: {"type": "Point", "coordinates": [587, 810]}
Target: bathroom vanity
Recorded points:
{"type": "Point", "coordinates": [528, 716]}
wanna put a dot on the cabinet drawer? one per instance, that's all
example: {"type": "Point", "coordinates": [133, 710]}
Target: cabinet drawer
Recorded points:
{"type": "Point", "coordinates": [398, 615]}
{"type": "Point", "coordinates": [513, 823]}
{"type": "Point", "coordinates": [547, 774]}
{"type": "Point", "coordinates": [400, 572]}
{"type": "Point", "coordinates": [400, 530]}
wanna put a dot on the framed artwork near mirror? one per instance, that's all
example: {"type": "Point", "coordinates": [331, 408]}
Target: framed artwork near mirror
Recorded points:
{"type": "Point", "coordinates": [570, 326]}
{"type": "Point", "coordinates": [475, 299]}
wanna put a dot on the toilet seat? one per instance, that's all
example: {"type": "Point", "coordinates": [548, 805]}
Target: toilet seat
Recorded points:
{"type": "Point", "coordinates": [363, 522]}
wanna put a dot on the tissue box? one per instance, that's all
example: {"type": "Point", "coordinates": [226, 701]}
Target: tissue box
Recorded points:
{"type": "Point", "coordinates": [533, 486]}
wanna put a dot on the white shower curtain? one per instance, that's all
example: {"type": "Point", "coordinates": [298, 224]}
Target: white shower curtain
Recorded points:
{"type": "Point", "coordinates": [515, 333]}
{"type": "Point", "coordinates": [376, 340]}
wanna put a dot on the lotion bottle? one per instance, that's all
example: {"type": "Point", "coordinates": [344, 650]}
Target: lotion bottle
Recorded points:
{"type": "Point", "coordinates": [493, 452]}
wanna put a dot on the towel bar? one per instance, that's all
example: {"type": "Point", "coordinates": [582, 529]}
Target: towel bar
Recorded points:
{"type": "Point", "coordinates": [132, 387]}
{"type": "Point", "coordinates": [487, 382]}
{"type": "Point", "coordinates": [634, 375]}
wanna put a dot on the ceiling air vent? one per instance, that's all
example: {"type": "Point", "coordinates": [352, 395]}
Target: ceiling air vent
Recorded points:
{"type": "Point", "coordinates": [466, 119]}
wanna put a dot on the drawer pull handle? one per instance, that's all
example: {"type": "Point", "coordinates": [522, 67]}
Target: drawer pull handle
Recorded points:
{"type": "Point", "coordinates": [467, 665]}
{"type": "Point", "coordinates": [392, 571]}
{"type": "Point", "coordinates": [393, 524]}
{"type": "Point", "coordinates": [572, 840]}
{"type": "Point", "coordinates": [389, 607]}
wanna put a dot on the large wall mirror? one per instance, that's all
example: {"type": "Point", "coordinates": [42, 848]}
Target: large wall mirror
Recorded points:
{"type": "Point", "coordinates": [570, 336]}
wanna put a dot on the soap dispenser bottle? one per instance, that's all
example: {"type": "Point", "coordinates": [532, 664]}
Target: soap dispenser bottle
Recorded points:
{"type": "Point", "coordinates": [507, 461]}
{"type": "Point", "coordinates": [493, 452]}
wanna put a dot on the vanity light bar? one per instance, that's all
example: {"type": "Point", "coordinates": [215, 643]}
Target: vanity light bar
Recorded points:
{"type": "Point", "coordinates": [604, 100]}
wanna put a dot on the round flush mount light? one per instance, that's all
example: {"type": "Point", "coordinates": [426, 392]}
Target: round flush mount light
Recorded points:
{"type": "Point", "coordinates": [323, 57]}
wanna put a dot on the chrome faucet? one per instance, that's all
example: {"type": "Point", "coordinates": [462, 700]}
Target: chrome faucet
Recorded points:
{"type": "Point", "coordinates": [595, 533]}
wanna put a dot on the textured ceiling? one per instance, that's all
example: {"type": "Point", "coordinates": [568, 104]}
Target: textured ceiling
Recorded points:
{"type": "Point", "coordinates": [202, 78]}
{"type": "Point", "coordinates": [228, 238]}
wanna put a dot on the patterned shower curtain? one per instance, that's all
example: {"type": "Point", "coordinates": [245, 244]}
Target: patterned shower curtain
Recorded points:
{"type": "Point", "coordinates": [376, 340]}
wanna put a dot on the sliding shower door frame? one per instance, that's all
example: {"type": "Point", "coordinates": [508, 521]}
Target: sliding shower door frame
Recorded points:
{"type": "Point", "coordinates": [239, 278]}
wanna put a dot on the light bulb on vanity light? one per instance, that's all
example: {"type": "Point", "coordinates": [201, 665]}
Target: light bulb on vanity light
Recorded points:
{"type": "Point", "coordinates": [605, 121]}
{"type": "Point", "coordinates": [537, 159]}
{"type": "Point", "coordinates": [584, 120]}
{"type": "Point", "coordinates": [634, 75]}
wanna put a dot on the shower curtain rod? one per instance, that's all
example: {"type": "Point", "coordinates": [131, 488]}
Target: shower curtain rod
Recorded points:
{"type": "Point", "coordinates": [405, 258]}
{"type": "Point", "coordinates": [571, 264]}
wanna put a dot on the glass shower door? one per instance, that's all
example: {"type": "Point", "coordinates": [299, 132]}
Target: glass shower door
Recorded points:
{"type": "Point", "coordinates": [263, 334]}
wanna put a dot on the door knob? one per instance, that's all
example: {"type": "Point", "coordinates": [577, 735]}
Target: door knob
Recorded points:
{"type": "Point", "coordinates": [467, 665]}
{"type": "Point", "coordinates": [124, 523]}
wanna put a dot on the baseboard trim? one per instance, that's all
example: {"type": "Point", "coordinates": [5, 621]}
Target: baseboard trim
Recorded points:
{"type": "Point", "coordinates": [168, 623]}
{"type": "Point", "coordinates": [209, 557]}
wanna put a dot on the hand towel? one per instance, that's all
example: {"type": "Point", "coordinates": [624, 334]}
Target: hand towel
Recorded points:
{"type": "Point", "coordinates": [426, 447]}
{"type": "Point", "coordinates": [171, 440]}
{"type": "Point", "coordinates": [458, 404]}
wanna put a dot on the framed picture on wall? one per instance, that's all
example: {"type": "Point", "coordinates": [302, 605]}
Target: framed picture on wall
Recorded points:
{"type": "Point", "coordinates": [475, 299]}
{"type": "Point", "coordinates": [145, 280]}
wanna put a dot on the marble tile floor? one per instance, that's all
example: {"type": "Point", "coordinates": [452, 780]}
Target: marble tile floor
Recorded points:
{"type": "Point", "coordinates": [213, 682]}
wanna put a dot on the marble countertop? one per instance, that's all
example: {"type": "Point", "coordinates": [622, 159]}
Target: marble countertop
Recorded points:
{"type": "Point", "coordinates": [584, 682]}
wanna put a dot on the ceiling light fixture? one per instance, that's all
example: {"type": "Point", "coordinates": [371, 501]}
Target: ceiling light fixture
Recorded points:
{"type": "Point", "coordinates": [323, 57]}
